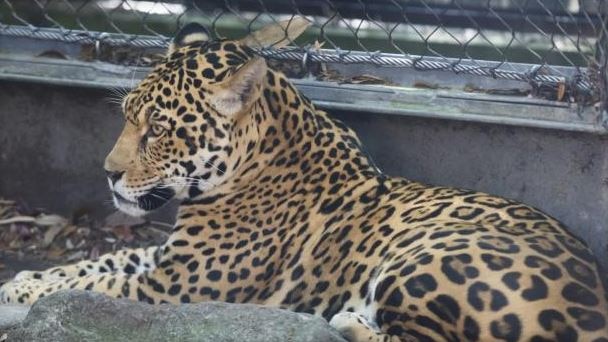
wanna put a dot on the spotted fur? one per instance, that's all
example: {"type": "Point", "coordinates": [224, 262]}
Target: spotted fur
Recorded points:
{"type": "Point", "coordinates": [280, 206]}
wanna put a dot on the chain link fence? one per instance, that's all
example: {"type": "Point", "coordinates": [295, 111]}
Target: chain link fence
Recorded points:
{"type": "Point", "coordinates": [557, 45]}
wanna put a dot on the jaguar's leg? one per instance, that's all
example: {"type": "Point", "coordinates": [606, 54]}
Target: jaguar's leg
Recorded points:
{"type": "Point", "coordinates": [153, 286]}
{"type": "Point", "coordinates": [137, 260]}
{"type": "Point", "coordinates": [356, 328]}
{"type": "Point", "coordinates": [466, 284]}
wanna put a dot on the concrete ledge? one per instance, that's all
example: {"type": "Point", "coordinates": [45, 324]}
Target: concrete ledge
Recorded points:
{"type": "Point", "coordinates": [27, 61]}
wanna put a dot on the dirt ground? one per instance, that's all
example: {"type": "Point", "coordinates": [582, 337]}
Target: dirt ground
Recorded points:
{"type": "Point", "coordinates": [34, 239]}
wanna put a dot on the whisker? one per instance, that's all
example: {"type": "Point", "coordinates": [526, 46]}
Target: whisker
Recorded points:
{"type": "Point", "coordinates": [114, 102]}
{"type": "Point", "coordinates": [135, 70]}
{"type": "Point", "coordinates": [178, 183]}
{"type": "Point", "coordinates": [168, 185]}
{"type": "Point", "coordinates": [157, 196]}
{"type": "Point", "coordinates": [195, 179]}
{"type": "Point", "coordinates": [116, 95]}
{"type": "Point", "coordinates": [119, 92]}
{"type": "Point", "coordinates": [207, 162]}
{"type": "Point", "coordinates": [108, 204]}
{"type": "Point", "coordinates": [190, 178]}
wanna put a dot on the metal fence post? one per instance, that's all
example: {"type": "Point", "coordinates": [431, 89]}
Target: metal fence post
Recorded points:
{"type": "Point", "coordinates": [603, 74]}
{"type": "Point", "coordinates": [601, 57]}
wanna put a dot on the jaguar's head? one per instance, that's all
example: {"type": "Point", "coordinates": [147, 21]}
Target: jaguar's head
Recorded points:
{"type": "Point", "coordinates": [190, 122]}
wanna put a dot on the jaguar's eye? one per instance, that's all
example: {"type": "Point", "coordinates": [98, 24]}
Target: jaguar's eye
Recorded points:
{"type": "Point", "coordinates": [156, 131]}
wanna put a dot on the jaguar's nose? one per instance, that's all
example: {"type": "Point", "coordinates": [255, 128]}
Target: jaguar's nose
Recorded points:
{"type": "Point", "coordinates": [114, 176]}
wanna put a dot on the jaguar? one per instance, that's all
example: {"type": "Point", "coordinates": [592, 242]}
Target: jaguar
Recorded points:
{"type": "Point", "coordinates": [281, 206]}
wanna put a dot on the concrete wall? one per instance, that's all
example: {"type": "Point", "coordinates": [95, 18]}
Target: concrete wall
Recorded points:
{"type": "Point", "coordinates": [564, 174]}
{"type": "Point", "coordinates": [53, 141]}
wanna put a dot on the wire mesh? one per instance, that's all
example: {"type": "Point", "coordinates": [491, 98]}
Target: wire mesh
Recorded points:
{"type": "Point", "coordinates": [547, 43]}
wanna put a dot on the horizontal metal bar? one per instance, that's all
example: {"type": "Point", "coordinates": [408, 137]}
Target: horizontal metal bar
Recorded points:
{"type": "Point", "coordinates": [547, 75]}
{"type": "Point", "coordinates": [441, 104]}
{"type": "Point", "coordinates": [516, 17]}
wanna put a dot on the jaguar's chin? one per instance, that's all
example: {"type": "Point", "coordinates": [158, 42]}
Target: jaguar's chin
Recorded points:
{"type": "Point", "coordinates": [144, 204]}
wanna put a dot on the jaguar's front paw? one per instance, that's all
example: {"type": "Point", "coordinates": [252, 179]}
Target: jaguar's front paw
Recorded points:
{"type": "Point", "coordinates": [5, 290]}
{"type": "Point", "coordinates": [19, 292]}
{"type": "Point", "coordinates": [23, 275]}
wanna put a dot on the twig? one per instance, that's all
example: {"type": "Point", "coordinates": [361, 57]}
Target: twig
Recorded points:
{"type": "Point", "coordinates": [18, 219]}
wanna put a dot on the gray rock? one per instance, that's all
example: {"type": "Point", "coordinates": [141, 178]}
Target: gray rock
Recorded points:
{"type": "Point", "coordinates": [89, 316]}
{"type": "Point", "coordinates": [12, 315]}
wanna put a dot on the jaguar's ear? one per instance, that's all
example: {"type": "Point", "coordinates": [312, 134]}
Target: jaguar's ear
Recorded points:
{"type": "Point", "coordinates": [188, 34]}
{"type": "Point", "coordinates": [242, 89]}
{"type": "Point", "coordinates": [277, 35]}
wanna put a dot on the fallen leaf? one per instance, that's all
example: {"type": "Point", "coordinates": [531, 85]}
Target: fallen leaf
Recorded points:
{"type": "Point", "coordinates": [317, 46]}
{"type": "Point", "coordinates": [367, 79]}
{"type": "Point", "coordinates": [51, 220]}
{"type": "Point", "coordinates": [123, 233]}
{"type": "Point", "coordinates": [561, 91]}
{"type": "Point", "coordinates": [55, 253]}
{"type": "Point", "coordinates": [94, 253]}
{"type": "Point", "coordinates": [52, 54]}
{"type": "Point", "coordinates": [426, 85]}
{"type": "Point", "coordinates": [69, 230]}
{"type": "Point", "coordinates": [330, 76]}
{"type": "Point", "coordinates": [50, 235]}
{"type": "Point", "coordinates": [15, 244]}
{"type": "Point", "coordinates": [78, 255]}
{"type": "Point", "coordinates": [17, 219]}
{"type": "Point", "coordinates": [84, 231]}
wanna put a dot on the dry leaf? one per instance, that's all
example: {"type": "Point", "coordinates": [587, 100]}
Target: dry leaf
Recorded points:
{"type": "Point", "coordinates": [83, 231]}
{"type": "Point", "coordinates": [55, 253]}
{"type": "Point", "coordinates": [367, 79]}
{"type": "Point", "coordinates": [78, 255]}
{"type": "Point", "coordinates": [94, 253]}
{"type": "Point", "coordinates": [330, 76]}
{"type": "Point", "coordinates": [17, 219]}
{"type": "Point", "coordinates": [50, 235]}
{"type": "Point", "coordinates": [561, 91]}
{"type": "Point", "coordinates": [17, 243]}
{"type": "Point", "coordinates": [123, 233]}
{"type": "Point", "coordinates": [426, 85]}
{"type": "Point", "coordinates": [317, 46]}
{"type": "Point", "coordinates": [53, 239]}
{"type": "Point", "coordinates": [51, 220]}
{"type": "Point", "coordinates": [68, 230]}
{"type": "Point", "coordinates": [52, 54]}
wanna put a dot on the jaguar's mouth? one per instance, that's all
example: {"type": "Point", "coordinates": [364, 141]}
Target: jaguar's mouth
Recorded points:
{"type": "Point", "coordinates": [152, 200]}
{"type": "Point", "coordinates": [155, 198]}
{"type": "Point", "coordinates": [118, 198]}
